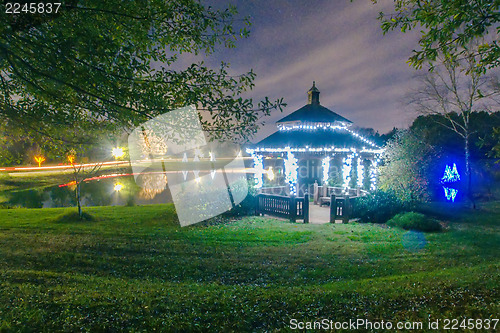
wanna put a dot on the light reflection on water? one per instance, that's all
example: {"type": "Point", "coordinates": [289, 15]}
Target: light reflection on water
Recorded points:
{"type": "Point", "coordinates": [148, 188]}
{"type": "Point", "coordinates": [98, 192]}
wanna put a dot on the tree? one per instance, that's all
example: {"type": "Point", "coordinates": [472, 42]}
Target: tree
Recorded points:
{"type": "Point", "coordinates": [495, 150]}
{"type": "Point", "coordinates": [450, 28]}
{"type": "Point", "coordinates": [454, 96]}
{"type": "Point", "coordinates": [406, 167]}
{"type": "Point", "coordinates": [118, 62]}
{"type": "Point", "coordinates": [453, 30]}
{"type": "Point", "coordinates": [81, 172]}
{"type": "Point", "coordinates": [389, 135]}
{"type": "Point", "coordinates": [21, 145]}
{"type": "Point", "coordinates": [429, 129]}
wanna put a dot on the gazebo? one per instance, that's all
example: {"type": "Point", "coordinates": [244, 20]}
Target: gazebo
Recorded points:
{"type": "Point", "coordinates": [315, 145]}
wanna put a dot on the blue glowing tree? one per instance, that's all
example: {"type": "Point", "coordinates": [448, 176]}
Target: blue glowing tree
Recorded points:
{"type": "Point", "coordinates": [450, 177]}
{"type": "Point", "coordinates": [451, 174]}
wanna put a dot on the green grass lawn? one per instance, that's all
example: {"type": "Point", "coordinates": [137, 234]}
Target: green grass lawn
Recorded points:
{"type": "Point", "coordinates": [134, 269]}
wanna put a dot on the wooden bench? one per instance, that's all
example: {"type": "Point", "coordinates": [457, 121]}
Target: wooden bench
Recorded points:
{"type": "Point", "coordinates": [323, 196]}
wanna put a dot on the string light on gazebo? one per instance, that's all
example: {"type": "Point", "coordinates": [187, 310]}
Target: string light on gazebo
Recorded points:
{"type": "Point", "coordinates": [258, 165]}
{"type": "Point", "coordinates": [291, 171]}
{"type": "Point", "coordinates": [360, 172]}
{"type": "Point", "coordinates": [373, 174]}
{"type": "Point", "coordinates": [325, 163]}
{"type": "Point", "coordinates": [346, 169]}
{"type": "Point", "coordinates": [313, 149]}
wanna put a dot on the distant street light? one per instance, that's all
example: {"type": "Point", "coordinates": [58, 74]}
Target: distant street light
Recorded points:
{"type": "Point", "coordinates": [117, 153]}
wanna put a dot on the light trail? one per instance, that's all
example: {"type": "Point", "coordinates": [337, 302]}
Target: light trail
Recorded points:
{"type": "Point", "coordinates": [116, 175]}
{"type": "Point", "coordinates": [110, 163]}
{"type": "Point", "coordinates": [61, 167]}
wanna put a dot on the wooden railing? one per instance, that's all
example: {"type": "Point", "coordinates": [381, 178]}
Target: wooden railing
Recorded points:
{"type": "Point", "coordinates": [340, 208]}
{"type": "Point", "coordinates": [290, 207]}
{"type": "Point", "coordinates": [276, 190]}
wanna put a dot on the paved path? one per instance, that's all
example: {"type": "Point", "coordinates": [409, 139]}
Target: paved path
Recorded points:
{"type": "Point", "coordinates": [319, 215]}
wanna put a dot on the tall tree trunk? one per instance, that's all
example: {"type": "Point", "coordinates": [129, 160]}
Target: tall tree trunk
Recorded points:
{"type": "Point", "coordinates": [468, 171]}
{"type": "Point", "coordinates": [80, 213]}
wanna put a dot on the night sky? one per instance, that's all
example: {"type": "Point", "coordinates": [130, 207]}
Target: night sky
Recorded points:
{"type": "Point", "coordinates": [362, 74]}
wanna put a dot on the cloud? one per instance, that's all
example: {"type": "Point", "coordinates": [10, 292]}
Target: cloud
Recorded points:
{"type": "Point", "coordinates": [361, 74]}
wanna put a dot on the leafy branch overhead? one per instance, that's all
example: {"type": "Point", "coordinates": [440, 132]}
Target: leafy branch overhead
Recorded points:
{"type": "Point", "coordinates": [449, 28]}
{"type": "Point", "coordinates": [120, 61]}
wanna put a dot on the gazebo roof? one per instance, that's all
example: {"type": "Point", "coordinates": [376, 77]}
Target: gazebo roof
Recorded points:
{"type": "Point", "coordinates": [314, 113]}
{"type": "Point", "coordinates": [318, 138]}
{"type": "Point", "coordinates": [315, 126]}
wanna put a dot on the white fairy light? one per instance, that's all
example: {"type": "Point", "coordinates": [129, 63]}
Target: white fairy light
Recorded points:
{"type": "Point", "coordinates": [326, 168]}
{"type": "Point", "coordinates": [258, 165]}
{"type": "Point", "coordinates": [373, 174]}
{"type": "Point", "coordinates": [346, 170]}
{"type": "Point", "coordinates": [316, 149]}
{"type": "Point", "coordinates": [371, 143]}
{"type": "Point", "coordinates": [307, 126]}
{"type": "Point", "coordinates": [360, 170]}
{"type": "Point", "coordinates": [291, 170]}
{"type": "Point", "coordinates": [330, 126]}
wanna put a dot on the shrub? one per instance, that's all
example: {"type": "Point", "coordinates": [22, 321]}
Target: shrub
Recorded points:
{"type": "Point", "coordinates": [377, 207]}
{"type": "Point", "coordinates": [244, 208]}
{"type": "Point", "coordinates": [247, 206]}
{"type": "Point", "coordinates": [406, 167]}
{"type": "Point", "coordinates": [414, 221]}
{"type": "Point", "coordinates": [6, 206]}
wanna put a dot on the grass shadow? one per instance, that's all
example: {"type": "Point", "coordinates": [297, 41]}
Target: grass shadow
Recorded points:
{"type": "Point", "coordinates": [73, 217]}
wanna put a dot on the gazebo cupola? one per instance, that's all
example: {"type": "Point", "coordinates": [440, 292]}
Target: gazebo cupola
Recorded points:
{"type": "Point", "coordinates": [313, 95]}
{"type": "Point", "coordinates": [312, 115]}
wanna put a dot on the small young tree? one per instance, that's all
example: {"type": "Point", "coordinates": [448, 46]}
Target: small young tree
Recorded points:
{"type": "Point", "coordinates": [80, 173]}
{"type": "Point", "coordinates": [406, 163]}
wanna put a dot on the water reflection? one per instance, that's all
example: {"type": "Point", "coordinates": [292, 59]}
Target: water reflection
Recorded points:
{"type": "Point", "coordinates": [28, 198]}
{"type": "Point", "coordinates": [99, 192]}
{"type": "Point", "coordinates": [151, 185]}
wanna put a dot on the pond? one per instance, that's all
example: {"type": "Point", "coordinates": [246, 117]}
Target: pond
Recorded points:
{"type": "Point", "coordinates": [113, 191]}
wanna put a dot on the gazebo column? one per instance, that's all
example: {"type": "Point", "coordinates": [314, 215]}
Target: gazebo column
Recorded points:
{"type": "Point", "coordinates": [291, 168]}
{"type": "Point", "coordinates": [360, 172]}
{"type": "Point", "coordinates": [258, 164]}
{"type": "Point", "coordinates": [325, 164]}
{"type": "Point", "coordinates": [346, 170]}
{"type": "Point", "coordinates": [374, 172]}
